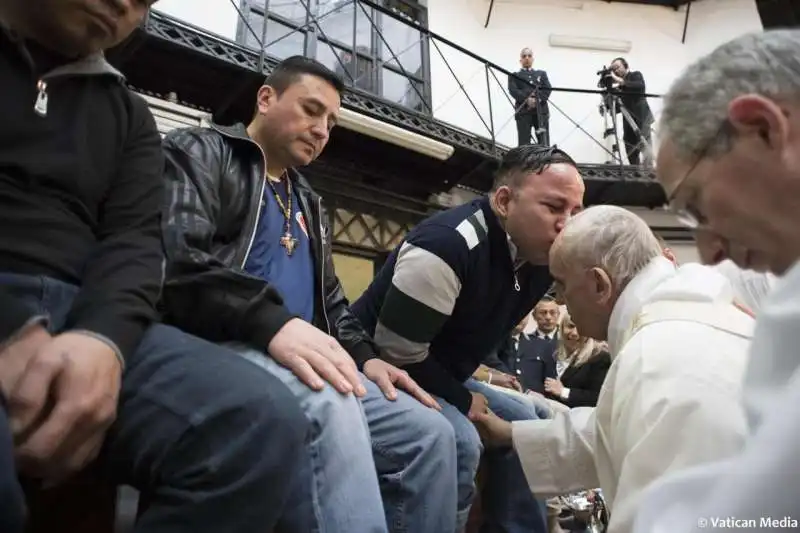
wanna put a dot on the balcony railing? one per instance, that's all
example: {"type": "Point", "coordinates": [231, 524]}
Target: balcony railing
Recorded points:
{"type": "Point", "coordinates": [385, 50]}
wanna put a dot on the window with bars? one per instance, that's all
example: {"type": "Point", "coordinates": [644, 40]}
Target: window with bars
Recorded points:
{"type": "Point", "coordinates": [378, 51]}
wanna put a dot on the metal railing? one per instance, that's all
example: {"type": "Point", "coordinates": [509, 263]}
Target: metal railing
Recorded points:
{"type": "Point", "coordinates": [428, 74]}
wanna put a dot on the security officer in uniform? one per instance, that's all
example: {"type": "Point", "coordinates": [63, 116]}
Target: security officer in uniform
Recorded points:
{"type": "Point", "coordinates": [530, 90]}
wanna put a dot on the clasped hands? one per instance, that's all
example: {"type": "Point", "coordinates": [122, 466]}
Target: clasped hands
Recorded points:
{"type": "Point", "coordinates": [553, 386]}
{"type": "Point", "coordinates": [316, 358]}
{"type": "Point", "coordinates": [61, 393]}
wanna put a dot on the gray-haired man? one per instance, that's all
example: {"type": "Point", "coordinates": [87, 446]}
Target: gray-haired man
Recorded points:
{"type": "Point", "coordinates": [730, 164]}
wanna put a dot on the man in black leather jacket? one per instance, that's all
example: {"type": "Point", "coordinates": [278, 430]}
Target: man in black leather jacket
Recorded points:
{"type": "Point", "coordinates": [250, 263]}
{"type": "Point", "coordinates": [86, 370]}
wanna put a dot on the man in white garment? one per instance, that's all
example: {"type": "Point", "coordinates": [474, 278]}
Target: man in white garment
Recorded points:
{"type": "Point", "coordinates": [730, 165]}
{"type": "Point", "coordinates": [669, 401]}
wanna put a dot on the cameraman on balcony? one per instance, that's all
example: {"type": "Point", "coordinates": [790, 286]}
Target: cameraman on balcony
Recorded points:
{"type": "Point", "coordinates": [631, 88]}
{"type": "Point", "coordinates": [530, 90]}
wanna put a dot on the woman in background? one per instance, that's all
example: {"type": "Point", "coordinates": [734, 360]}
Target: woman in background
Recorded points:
{"type": "Point", "coordinates": [581, 366]}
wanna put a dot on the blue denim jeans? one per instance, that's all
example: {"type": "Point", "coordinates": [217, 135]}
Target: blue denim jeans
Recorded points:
{"type": "Point", "coordinates": [12, 502]}
{"type": "Point", "coordinates": [375, 465]}
{"type": "Point", "coordinates": [468, 458]}
{"type": "Point", "coordinates": [212, 443]}
{"type": "Point", "coordinates": [508, 505]}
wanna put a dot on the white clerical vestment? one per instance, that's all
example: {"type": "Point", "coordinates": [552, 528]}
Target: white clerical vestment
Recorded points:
{"type": "Point", "coordinates": [671, 398]}
{"type": "Point", "coordinates": [759, 489]}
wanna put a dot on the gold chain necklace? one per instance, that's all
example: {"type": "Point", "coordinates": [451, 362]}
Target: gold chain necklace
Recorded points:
{"type": "Point", "coordinates": [288, 242]}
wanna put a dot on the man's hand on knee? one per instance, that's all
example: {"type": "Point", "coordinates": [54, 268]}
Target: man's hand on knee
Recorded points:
{"type": "Point", "coordinates": [387, 376]}
{"type": "Point", "coordinates": [315, 357]}
{"type": "Point", "coordinates": [63, 402]}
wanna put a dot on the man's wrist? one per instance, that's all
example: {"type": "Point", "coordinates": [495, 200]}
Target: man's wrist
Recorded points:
{"type": "Point", "coordinates": [361, 353]}
{"type": "Point", "coordinates": [38, 321]}
{"type": "Point", "coordinates": [105, 340]}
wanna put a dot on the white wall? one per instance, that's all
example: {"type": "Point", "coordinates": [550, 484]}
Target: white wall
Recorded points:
{"type": "Point", "coordinates": [215, 16]}
{"type": "Point", "coordinates": [655, 33]}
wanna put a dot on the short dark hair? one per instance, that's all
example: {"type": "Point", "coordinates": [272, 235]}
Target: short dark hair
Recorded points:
{"type": "Point", "coordinates": [290, 69]}
{"type": "Point", "coordinates": [523, 160]}
{"type": "Point", "coordinates": [621, 60]}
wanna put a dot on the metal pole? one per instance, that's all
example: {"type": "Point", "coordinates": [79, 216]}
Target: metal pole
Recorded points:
{"type": "Point", "coordinates": [263, 38]}
{"type": "Point", "coordinates": [489, 14]}
{"type": "Point", "coordinates": [686, 21]}
{"type": "Point", "coordinates": [460, 85]}
{"type": "Point", "coordinates": [491, 113]}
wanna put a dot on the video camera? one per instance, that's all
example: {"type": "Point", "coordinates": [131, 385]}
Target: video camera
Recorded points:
{"type": "Point", "coordinates": [606, 81]}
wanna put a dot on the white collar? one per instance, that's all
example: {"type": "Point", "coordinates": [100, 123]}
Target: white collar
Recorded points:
{"type": "Point", "coordinates": [542, 335]}
{"type": "Point", "coordinates": [633, 298]}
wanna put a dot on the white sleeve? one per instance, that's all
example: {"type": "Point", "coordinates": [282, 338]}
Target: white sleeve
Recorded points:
{"type": "Point", "coordinates": [557, 455]}
{"type": "Point", "coordinates": [761, 484]}
{"type": "Point", "coordinates": [668, 425]}
{"type": "Point", "coordinates": [760, 487]}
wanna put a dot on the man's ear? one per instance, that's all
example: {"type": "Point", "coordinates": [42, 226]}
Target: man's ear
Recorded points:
{"type": "Point", "coordinates": [752, 113]}
{"type": "Point", "coordinates": [265, 97]}
{"type": "Point", "coordinates": [600, 285]}
{"type": "Point", "coordinates": [502, 197]}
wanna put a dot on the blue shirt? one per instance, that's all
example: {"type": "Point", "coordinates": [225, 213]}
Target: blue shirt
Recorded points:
{"type": "Point", "coordinates": [292, 275]}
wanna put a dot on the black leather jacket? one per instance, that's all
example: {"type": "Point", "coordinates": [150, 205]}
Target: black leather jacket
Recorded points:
{"type": "Point", "coordinates": [215, 181]}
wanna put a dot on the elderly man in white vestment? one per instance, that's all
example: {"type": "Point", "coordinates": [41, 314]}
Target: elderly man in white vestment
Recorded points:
{"type": "Point", "coordinates": [678, 346]}
{"type": "Point", "coordinates": [730, 164]}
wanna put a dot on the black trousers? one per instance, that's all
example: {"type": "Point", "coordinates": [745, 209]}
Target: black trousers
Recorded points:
{"type": "Point", "coordinates": [634, 141]}
{"type": "Point", "coordinates": [214, 441]}
{"type": "Point", "coordinates": [530, 121]}
{"type": "Point", "coordinates": [12, 502]}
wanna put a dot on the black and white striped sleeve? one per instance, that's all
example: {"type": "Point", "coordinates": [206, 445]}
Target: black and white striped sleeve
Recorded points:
{"type": "Point", "coordinates": [426, 283]}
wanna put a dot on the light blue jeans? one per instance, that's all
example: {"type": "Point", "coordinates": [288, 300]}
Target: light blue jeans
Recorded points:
{"type": "Point", "coordinates": [468, 456]}
{"type": "Point", "coordinates": [374, 465]}
{"type": "Point", "coordinates": [508, 505]}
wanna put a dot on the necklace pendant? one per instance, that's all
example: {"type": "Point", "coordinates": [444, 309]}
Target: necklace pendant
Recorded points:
{"type": "Point", "coordinates": [289, 243]}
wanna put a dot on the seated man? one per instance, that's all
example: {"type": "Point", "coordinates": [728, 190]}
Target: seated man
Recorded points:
{"type": "Point", "coordinates": [455, 288]}
{"type": "Point", "coordinates": [81, 363]}
{"type": "Point", "coordinates": [250, 263]}
{"type": "Point", "coordinates": [678, 345]}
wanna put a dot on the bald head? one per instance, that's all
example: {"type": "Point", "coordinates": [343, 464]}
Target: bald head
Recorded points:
{"type": "Point", "coordinates": [608, 237]}
{"type": "Point", "coordinates": [526, 58]}
{"type": "Point", "coordinates": [594, 258]}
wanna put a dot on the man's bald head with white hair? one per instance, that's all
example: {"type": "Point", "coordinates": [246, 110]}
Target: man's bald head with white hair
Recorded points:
{"type": "Point", "coordinates": [594, 258]}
